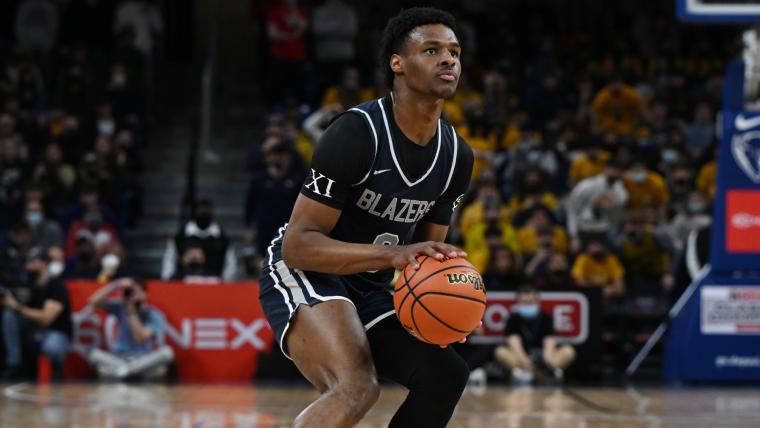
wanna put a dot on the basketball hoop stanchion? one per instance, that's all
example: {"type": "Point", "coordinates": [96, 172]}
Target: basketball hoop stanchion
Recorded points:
{"type": "Point", "coordinates": [663, 327]}
{"type": "Point", "coordinates": [714, 328]}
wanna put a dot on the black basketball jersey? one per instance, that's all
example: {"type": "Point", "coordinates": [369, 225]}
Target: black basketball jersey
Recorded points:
{"type": "Point", "coordinates": [383, 207]}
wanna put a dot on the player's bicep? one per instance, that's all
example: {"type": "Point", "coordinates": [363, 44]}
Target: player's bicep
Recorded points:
{"type": "Point", "coordinates": [312, 216]}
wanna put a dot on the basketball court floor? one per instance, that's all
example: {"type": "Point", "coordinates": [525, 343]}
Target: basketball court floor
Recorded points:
{"type": "Point", "coordinates": [199, 406]}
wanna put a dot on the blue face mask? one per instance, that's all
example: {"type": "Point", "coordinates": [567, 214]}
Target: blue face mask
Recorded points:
{"type": "Point", "coordinates": [528, 310]}
{"type": "Point", "coordinates": [34, 218]}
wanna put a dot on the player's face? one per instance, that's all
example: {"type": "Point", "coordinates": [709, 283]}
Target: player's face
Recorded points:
{"type": "Point", "coordinates": [430, 61]}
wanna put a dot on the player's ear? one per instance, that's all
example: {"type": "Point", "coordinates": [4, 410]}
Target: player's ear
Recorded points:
{"type": "Point", "coordinates": [397, 64]}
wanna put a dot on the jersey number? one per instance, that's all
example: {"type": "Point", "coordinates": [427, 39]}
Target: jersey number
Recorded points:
{"type": "Point", "coordinates": [386, 239]}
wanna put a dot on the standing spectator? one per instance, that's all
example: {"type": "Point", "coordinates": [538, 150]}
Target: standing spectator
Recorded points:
{"type": "Point", "coordinates": [334, 25]}
{"type": "Point", "coordinates": [646, 190]}
{"type": "Point", "coordinates": [42, 318]}
{"type": "Point", "coordinates": [616, 108]}
{"type": "Point", "coordinates": [531, 348]}
{"type": "Point", "coordinates": [220, 256]}
{"type": "Point", "coordinates": [595, 205]}
{"type": "Point", "coordinates": [597, 267]}
{"type": "Point", "coordinates": [286, 24]}
{"type": "Point", "coordinates": [272, 193]}
{"type": "Point", "coordinates": [37, 26]}
{"type": "Point", "coordinates": [143, 19]}
{"type": "Point", "coordinates": [139, 350]}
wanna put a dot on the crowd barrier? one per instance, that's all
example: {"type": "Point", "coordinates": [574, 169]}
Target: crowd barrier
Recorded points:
{"type": "Point", "coordinates": [218, 331]}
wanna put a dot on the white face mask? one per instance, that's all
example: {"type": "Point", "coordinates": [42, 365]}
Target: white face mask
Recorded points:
{"type": "Point", "coordinates": [639, 176]}
{"type": "Point", "coordinates": [55, 268]}
{"type": "Point", "coordinates": [106, 127]}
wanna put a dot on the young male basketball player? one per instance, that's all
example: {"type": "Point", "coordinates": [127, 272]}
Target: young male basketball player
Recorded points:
{"type": "Point", "coordinates": [385, 179]}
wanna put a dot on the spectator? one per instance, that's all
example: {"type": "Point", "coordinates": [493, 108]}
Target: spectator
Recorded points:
{"type": "Point", "coordinates": [531, 192]}
{"type": "Point", "coordinates": [646, 190]}
{"type": "Point", "coordinates": [286, 24]}
{"type": "Point", "coordinates": [220, 256]}
{"type": "Point", "coordinates": [46, 234]}
{"type": "Point", "coordinates": [595, 205]}
{"type": "Point", "coordinates": [531, 349]}
{"type": "Point", "coordinates": [694, 217]}
{"type": "Point", "coordinates": [645, 255]}
{"type": "Point", "coordinates": [491, 231]}
{"type": "Point", "coordinates": [556, 274]}
{"type": "Point", "coordinates": [486, 194]}
{"type": "Point", "coordinates": [680, 185]}
{"type": "Point", "coordinates": [616, 108]}
{"type": "Point", "coordinates": [102, 234]}
{"type": "Point", "coordinates": [272, 193]}
{"type": "Point", "coordinates": [13, 169]}
{"type": "Point", "coordinates": [347, 93]}
{"type": "Point", "coordinates": [588, 164]}
{"type": "Point", "coordinates": [84, 261]}
{"type": "Point", "coordinates": [37, 25]}
{"type": "Point", "coordinates": [707, 179]}
{"type": "Point", "coordinates": [89, 202]}
{"type": "Point", "coordinates": [541, 232]}
{"type": "Point", "coordinates": [503, 271]}
{"type": "Point", "coordinates": [14, 254]}
{"type": "Point", "coordinates": [193, 268]}
{"type": "Point", "coordinates": [139, 351]}
{"type": "Point", "coordinates": [39, 315]}
{"type": "Point", "coordinates": [597, 267]}
{"type": "Point", "coordinates": [143, 19]}
{"type": "Point", "coordinates": [335, 26]}
{"type": "Point", "coordinates": [56, 177]}
{"type": "Point", "coordinates": [700, 133]}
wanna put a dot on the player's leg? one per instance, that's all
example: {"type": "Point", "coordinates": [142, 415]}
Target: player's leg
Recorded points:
{"type": "Point", "coordinates": [328, 345]}
{"type": "Point", "coordinates": [434, 376]}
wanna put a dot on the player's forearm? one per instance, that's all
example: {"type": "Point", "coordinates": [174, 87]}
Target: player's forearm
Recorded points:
{"type": "Point", "coordinates": [315, 251]}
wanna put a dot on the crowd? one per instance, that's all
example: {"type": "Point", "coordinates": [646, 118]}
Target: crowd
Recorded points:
{"type": "Point", "coordinates": [594, 148]}
{"type": "Point", "coordinates": [74, 77]}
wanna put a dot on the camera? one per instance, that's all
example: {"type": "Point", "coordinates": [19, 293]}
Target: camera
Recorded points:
{"type": "Point", "coordinates": [128, 292]}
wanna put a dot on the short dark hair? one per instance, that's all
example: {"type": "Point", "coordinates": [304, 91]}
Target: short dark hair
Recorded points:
{"type": "Point", "coordinates": [526, 289]}
{"type": "Point", "coordinates": [398, 28]}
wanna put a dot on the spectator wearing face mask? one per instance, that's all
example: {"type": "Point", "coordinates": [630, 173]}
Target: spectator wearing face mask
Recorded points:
{"type": "Point", "coordinates": [38, 314]}
{"type": "Point", "coordinates": [55, 176]}
{"type": "Point", "coordinates": [103, 234]}
{"type": "Point", "coordinates": [203, 230]}
{"type": "Point", "coordinates": [595, 205]}
{"type": "Point", "coordinates": [700, 133]}
{"type": "Point", "coordinates": [272, 193]}
{"type": "Point", "coordinates": [541, 231]}
{"type": "Point", "coordinates": [695, 216]}
{"type": "Point", "coordinates": [531, 192]}
{"type": "Point", "coordinates": [645, 254]}
{"type": "Point", "coordinates": [493, 230]}
{"type": "Point", "coordinates": [89, 201]}
{"type": "Point", "coordinates": [597, 267]}
{"type": "Point", "coordinates": [13, 169]}
{"type": "Point", "coordinates": [46, 234]}
{"type": "Point", "coordinates": [530, 348]}
{"type": "Point", "coordinates": [192, 267]}
{"type": "Point", "coordinates": [646, 190]}
{"type": "Point", "coordinates": [13, 254]}
{"type": "Point", "coordinates": [555, 275]}
{"type": "Point", "coordinates": [616, 108]}
{"type": "Point", "coordinates": [503, 271]}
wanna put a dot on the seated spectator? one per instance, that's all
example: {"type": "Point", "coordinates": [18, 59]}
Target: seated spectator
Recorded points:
{"type": "Point", "coordinates": [220, 256]}
{"type": "Point", "coordinates": [13, 255]}
{"type": "Point", "coordinates": [13, 169]}
{"type": "Point", "coordinates": [616, 108]}
{"type": "Point", "coordinates": [89, 201]}
{"type": "Point", "coordinates": [486, 193]}
{"type": "Point", "coordinates": [706, 179]}
{"type": "Point", "coordinates": [36, 313]}
{"type": "Point", "coordinates": [696, 216]}
{"type": "Point", "coordinates": [139, 350]}
{"type": "Point", "coordinates": [595, 205]}
{"type": "Point", "coordinates": [193, 268]}
{"type": "Point", "coordinates": [530, 349]}
{"type": "Point", "coordinates": [680, 187]}
{"type": "Point", "coordinates": [588, 164]}
{"type": "Point", "coordinates": [56, 177]}
{"type": "Point", "coordinates": [479, 136]}
{"type": "Point", "coordinates": [272, 193]}
{"type": "Point", "coordinates": [539, 229]}
{"type": "Point", "coordinates": [701, 131]}
{"type": "Point", "coordinates": [347, 92]}
{"type": "Point", "coordinates": [555, 275]}
{"type": "Point", "coordinates": [503, 271]}
{"type": "Point", "coordinates": [103, 234]}
{"type": "Point", "coordinates": [646, 190]}
{"type": "Point", "coordinates": [83, 262]}
{"type": "Point", "coordinates": [531, 192]}
{"type": "Point", "coordinates": [597, 267]}
{"type": "Point", "coordinates": [488, 233]}
{"type": "Point", "coordinates": [46, 234]}
{"type": "Point", "coordinates": [645, 255]}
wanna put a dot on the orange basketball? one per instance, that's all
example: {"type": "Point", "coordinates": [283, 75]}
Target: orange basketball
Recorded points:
{"type": "Point", "coordinates": [442, 301]}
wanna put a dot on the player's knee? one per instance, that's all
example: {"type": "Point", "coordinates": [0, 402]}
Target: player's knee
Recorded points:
{"type": "Point", "coordinates": [359, 392]}
{"type": "Point", "coordinates": [446, 375]}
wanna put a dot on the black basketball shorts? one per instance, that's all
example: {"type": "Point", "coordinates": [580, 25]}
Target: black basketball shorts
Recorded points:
{"type": "Point", "coordinates": [283, 289]}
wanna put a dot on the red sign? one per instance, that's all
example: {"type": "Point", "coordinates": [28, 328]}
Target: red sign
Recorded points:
{"type": "Point", "coordinates": [570, 311]}
{"type": "Point", "coordinates": [743, 221]}
{"type": "Point", "coordinates": [216, 331]}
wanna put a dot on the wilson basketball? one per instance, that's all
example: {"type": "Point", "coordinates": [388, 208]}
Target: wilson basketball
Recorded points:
{"type": "Point", "coordinates": [441, 302]}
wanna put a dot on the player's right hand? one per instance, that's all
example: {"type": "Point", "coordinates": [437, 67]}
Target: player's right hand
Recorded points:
{"type": "Point", "coordinates": [406, 254]}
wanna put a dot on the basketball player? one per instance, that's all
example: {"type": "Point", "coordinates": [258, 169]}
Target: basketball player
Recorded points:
{"type": "Point", "coordinates": [385, 178]}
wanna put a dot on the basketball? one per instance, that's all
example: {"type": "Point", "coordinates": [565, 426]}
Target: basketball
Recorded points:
{"type": "Point", "coordinates": [442, 302]}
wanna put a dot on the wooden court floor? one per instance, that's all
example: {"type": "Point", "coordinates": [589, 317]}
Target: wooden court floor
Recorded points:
{"type": "Point", "coordinates": [201, 406]}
